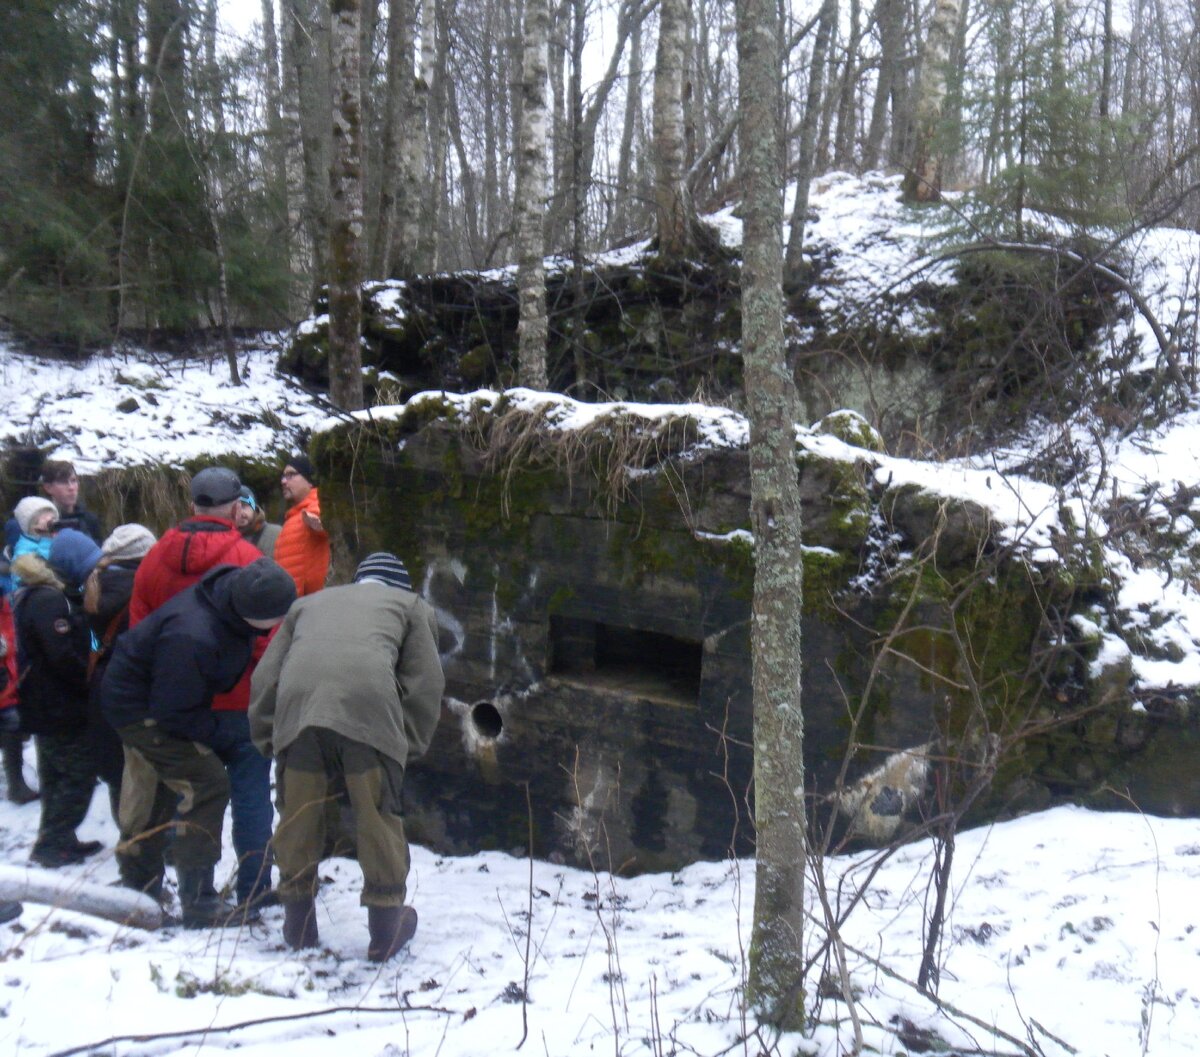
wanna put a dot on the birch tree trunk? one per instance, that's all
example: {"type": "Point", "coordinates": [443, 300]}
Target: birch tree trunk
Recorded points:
{"type": "Point", "coordinates": [626, 194]}
{"type": "Point", "coordinates": [307, 40]}
{"type": "Point", "coordinates": [923, 178]}
{"type": "Point", "coordinates": [434, 27]}
{"type": "Point", "coordinates": [530, 203]}
{"type": "Point", "coordinates": [406, 246]}
{"type": "Point", "coordinates": [774, 985]}
{"type": "Point", "coordinates": [670, 195]}
{"type": "Point", "coordinates": [346, 211]}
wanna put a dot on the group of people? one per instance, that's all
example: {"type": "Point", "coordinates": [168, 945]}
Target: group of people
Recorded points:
{"type": "Point", "coordinates": [175, 670]}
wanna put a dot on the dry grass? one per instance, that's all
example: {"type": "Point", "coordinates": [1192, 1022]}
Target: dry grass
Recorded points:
{"type": "Point", "coordinates": [608, 449]}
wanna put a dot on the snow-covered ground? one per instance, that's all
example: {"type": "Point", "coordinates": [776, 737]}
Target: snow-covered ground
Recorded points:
{"type": "Point", "coordinates": [1069, 931]}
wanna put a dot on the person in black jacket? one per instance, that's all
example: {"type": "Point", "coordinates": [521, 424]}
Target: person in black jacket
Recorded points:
{"type": "Point", "coordinates": [157, 694]}
{"type": "Point", "coordinates": [53, 642]}
{"type": "Point", "coordinates": [106, 601]}
{"type": "Point", "coordinates": [60, 482]}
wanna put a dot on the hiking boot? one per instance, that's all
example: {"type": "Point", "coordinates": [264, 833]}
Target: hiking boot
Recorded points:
{"type": "Point", "coordinates": [13, 751]}
{"type": "Point", "coordinates": [86, 848]}
{"type": "Point", "coordinates": [53, 858]}
{"type": "Point", "coordinates": [390, 929]}
{"type": "Point", "coordinates": [200, 906]}
{"type": "Point", "coordinates": [300, 924]}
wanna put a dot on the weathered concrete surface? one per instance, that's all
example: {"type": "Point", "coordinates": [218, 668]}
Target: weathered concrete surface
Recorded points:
{"type": "Point", "coordinates": [596, 642]}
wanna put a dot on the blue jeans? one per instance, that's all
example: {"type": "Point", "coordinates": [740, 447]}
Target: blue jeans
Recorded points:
{"type": "Point", "coordinates": [249, 802]}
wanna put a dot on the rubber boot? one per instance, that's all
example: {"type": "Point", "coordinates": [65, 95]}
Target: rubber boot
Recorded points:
{"type": "Point", "coordinates": [300, 924]}
{"type": "Point", "coordinates": [390, 928]}
{"type": "Point", "coordinates": [13, 750]}
{"type": "Point", "coordinates": [200, 906]}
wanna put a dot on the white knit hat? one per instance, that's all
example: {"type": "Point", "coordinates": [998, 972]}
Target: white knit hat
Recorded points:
{"type": "Point", "coordinates": [29, 508]}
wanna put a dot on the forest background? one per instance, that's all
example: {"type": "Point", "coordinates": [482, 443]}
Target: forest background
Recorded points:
{"type": "Point", "coordinates": [163, 175]}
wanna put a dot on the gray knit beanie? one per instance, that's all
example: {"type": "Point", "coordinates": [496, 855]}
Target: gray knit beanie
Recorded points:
{"type": "Point", "coordinates": [127, 543]}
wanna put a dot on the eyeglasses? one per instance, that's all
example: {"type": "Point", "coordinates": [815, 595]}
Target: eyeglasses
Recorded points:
{"type": "Point", "coordinates": [289, 474]}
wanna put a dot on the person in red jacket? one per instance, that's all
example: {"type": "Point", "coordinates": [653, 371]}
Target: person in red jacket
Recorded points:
{"type": "Point", "coordinates": [184, 554]}
{"type": "Point", "coordinates": [303, 544]}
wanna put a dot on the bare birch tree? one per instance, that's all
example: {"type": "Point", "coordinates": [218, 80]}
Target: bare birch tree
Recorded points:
{"type": "Point", "coordinates": [775, 982]}
{"type": "Point", "coordinates": [923, 179]}
{"type": "Point", "coordinates": [672, 209]}
{"type": "Point", "coordinates": [346, 212]}
{"type": "Point", "coordinates": [407, 244]}
{"type": "Point", "coordinates": [530, 204]}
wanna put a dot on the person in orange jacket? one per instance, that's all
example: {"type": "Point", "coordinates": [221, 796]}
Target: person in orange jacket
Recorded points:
{"type": "Point", "coordinates": [303, 544]}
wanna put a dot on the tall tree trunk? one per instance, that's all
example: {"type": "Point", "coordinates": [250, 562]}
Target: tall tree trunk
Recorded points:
{"type": "Point", "coordinates": [672, 212]}
{"type": "Point", "coordinates": [169, 184]}
{"type": "Point", "coordinates": [277, 152]}
{"type": "Point", "coordinates": [847, 124]}
{"type": "Point", "coordinates": [407, 244]}
{"type": "Point", "coordinates": [923, 178]}
{"type": "Point", "coordinates": [1108, 44]}
{"type": "Point", "coordinates": [806, 147]}
{"type": "Point", "coordinates": [346, 212]}
{"type": "Point", "coordinates": [626, 192]}
{"type": "Point", "coordinates": [308, 36]}
{"type": "Point", "coordinates": [775, 981]}
{"type": "Point", "coordinates": [470, 212]}
{"type": "Point", "coordinates": [530, 203]}
{"type": "Point", "coordinates": [952, 109]}
{"type": "Point", "coordinates": [889, 15]}
{"type": "Point", "coordinates": [399, 80]}
{"type": "Point", "coordinates": [435, 25]}
{"type": "Point", "coordinates": [205, 157]}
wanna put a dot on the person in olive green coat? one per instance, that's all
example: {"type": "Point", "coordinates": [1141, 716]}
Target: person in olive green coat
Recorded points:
{"type": "Point", "coordinates": [348, 692]}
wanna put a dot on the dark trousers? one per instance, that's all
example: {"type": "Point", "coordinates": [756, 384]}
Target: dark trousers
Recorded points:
{"type": "Point", "coordinates": [169, 784]}
{"type": "Point", "coordinates": [67, 774]}
{"type": "Point", "coordinates": [249, 802]}
{"type": "Point", "coordinates": [310, 773]}
{"type": "Point", "coordinates": [107, 750]}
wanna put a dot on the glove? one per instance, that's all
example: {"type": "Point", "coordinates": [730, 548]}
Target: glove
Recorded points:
{"type": "Point", "coordinates": [10, 720]}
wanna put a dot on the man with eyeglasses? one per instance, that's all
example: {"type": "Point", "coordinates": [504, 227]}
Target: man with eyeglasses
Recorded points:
{"type": "Point", "coordinates": [303, 544]}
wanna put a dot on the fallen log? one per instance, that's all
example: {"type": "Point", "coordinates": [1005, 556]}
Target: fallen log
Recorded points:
{"type": "Point", "coordinates": [27, 884]}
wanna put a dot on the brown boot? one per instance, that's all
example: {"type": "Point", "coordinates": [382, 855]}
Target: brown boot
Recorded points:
{"type": "Point", "coordinates": [390, 928]}
{"type": "Point", "coordinates": [13, 750]}
{"type": "Point", "coordinates": [300, 924]}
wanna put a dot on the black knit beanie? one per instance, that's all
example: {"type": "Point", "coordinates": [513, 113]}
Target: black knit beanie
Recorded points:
{"type": "Point", "coordinates": [302, 464]}
{"type": "Point", "coordinates": [262, 590]}
{"type": "Point", "coordinates": [384, 567]}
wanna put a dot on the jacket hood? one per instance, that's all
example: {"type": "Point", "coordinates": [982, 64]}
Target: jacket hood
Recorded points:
{"type": "Point", "coordinates": [199, 544]}
{"type": "Point", "coordinates": [33, 570]}
{"type": "Point", "coordinates": [216, 588]}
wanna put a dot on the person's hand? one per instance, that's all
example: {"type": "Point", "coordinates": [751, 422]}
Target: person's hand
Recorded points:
{"type": "Point", "coordinates": [312, 521]}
